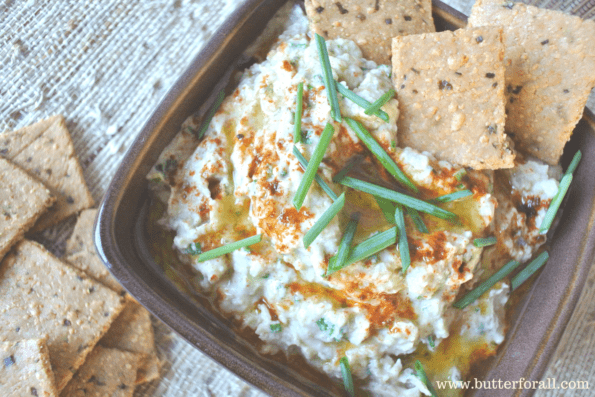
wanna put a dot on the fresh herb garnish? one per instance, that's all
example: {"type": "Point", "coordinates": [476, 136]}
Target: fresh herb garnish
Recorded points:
{"type": "Point", "coordinates": [345, 170]}
{"type": "Point", "coordinates": [344, 246]}
{"type": "Point", "coordinates": [453, 196]}
{"type": "Point", "coordinates": [574, 163]}
{"type": "Point", "coordinates": [358, 100]}
{"type": "Point", "coordinates": [371, 246]}
{"type": "Point", "coordinates": [529, 270]}
{"type": "Point", "coordinates": [380, 154]}
{"type": "Point", "coordinates": [324, 220]}
{"type": "Point", "coordinates": [403, 244]}
{"type": "Point", "coordinates": [375, 107]}
{"type": "Point", "coordinates": [399, 198]}
{"type": "Point", "coordinates": [212, 111]}
{"type": "Point", "coordinates": [313, 164]}
{"type": "Point", "coordinates": [226, 249]}
{"type": "Point", "coordinates": [482, 288]}
{"type": "Point", "coordinates": [329, 82]}
{"type": "Point", "coordinates": [193, 249]}
{"type": "Point", "coordinates": [431, 341]}
{"type": "Point", "coordinates": [421, 374]}
{"type": "Point", "coordinates": [484, 242]}
{"type": "Point", "coordinates": [550, 214]}
{"type": "Point", "coordinates": [324, 327]}
{"type": "Point", "coordinates": [387, 207]}
{"type": "Point", "coordinates": [460, 174]}
{"type": "Point", "coordinates": [347, 378]}
{"type": "Point", "coordinates": [417, 219]}
{"type": "Point", "coordinates": [317, 178]}
{"type": "Point", "coordinates": [276, 328]}
{"type": "Point", "coordinates": [297, 124]}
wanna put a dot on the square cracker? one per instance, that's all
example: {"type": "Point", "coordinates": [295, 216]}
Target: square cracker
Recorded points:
{"type": "Point", "coordinates": [22, 201]}
{"type": "Point", "coordinates": [450, 88]}
{"type": "Point", "coordinates": [42, 296]}
{"type": "Point", "coordinates": [132, 331]}
{"type": "Point", "coordinates": [550, 70]}
{"type": "Point", "coordinates": [25, 369]}
{"type": "Point", "coordinates": [107, 372]}
{"type": "Point", "coordinates": [45, 150]}
{"type": "Point", "coordinates": [370, 23]}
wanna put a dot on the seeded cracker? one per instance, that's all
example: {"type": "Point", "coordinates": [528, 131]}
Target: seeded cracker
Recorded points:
{"type": "Point", "coordinates": [22, 201]}
{"type": "Point", "coordinates": [107, 372]}
{"type": "Point", "coordinates": [370, 23]}
{"type": "Point", "coordinates": [45, 150]}
{"type": "Point", "coordinates": [25, 369]}
{"type": "Point", "coordinates": [132, 331]}
{"type": "Point", "coordinates": [550, 70]}
{"type": "Point", "coordinates": [450, 87]}
{"type": "Point", "coordinates": [41, 296]}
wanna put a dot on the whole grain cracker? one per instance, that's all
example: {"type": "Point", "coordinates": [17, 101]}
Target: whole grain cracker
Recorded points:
{"type": "Point", "coordinates": [42, 296]}
{"type": "Point", "coordinates": [22, 201]}
{"type": "Point", "coordinates": [450, 87]}
{"type": "Point", "coordinates": [107, 372]}
{"type": "Point", "coordinates": [49, 155]}
{"type": "Point", "coordinates": [550, 70]}
{"type": "Point", "coordinates": [370, 23]}
{"type": "Point", "coordinates": [25, 369]}
{"type": "Point", "coordinates": [132, 331]}
{"type": "Point", "coordinates": [81, 238]}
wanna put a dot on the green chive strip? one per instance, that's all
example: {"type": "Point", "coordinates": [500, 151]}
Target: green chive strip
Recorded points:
{"type": "Point", "coordinates": [380, 154]}
{"type": "Point", "coordinates": [482, 288]}
{"type": "Point", "coordinates": [297, 125]}
{"type": "Point", "coordinates": [324, 220]}
{"type": "Point", "coordinates": [345, 170]}
{"type": "Point", "coordinates": [313, 164]}
{"type": "Point", "coordinates": [358, 100]}
{"type": "Point", "coordinates": [347, 378]}
{"type": "Point", "coordinates": [338, 262]}
{"type": "Point", "coordinates": [421, 374]}
{"type": "Point", "coordinates": [574, 163]}
{"type": "Point", "coordinates": [431, 341]}
{"type": "Point", "coordinates": [329, 82]}
{"type": "Point", "coordinates": [399, 198]}
{"type": "Point", "coordinates": [529, 270]}
{"type": "Point", "coordinates": [370, 246]}
{"type": "Point", "coordinates": [548, 219]}
{"type": "Point", "coordinates": [403, 244]}
{"type": "Point", "coordinates": [212, 111]}
{"type": "Point", "coordinates": [417, 219]}
{"type": "Point", "coordinates": [484, 242]}
{"type": "Point", "coordinates": [375, 107]}
{"type": "Point", "coordinates": [317, 178]}
{"type": "Point", "coordinates": [226, 249]}
{"type": "Point", "coordinates": [387, 207]}
{"type": "Point", "coordinates": [460, 174]}
{"type": "Point", "coordinates": [453, 196]}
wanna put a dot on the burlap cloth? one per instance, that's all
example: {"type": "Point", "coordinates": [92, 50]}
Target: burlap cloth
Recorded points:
{"type": "Point", "coordinates": [106, 65]}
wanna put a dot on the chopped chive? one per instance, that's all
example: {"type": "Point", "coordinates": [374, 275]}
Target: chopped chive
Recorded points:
{"type": "Point", "coordinates": [421, 374]}
{"type": "Point", "coordinates": [313, 164]}
{"type": "Point", "coordinates": [529, 270]}
{"type": "Point", "coordinates": [324, 220]}
{"type": "Point", "coordinates": [297, 125]}
{"type": "Point", "coordinates": [403, 244]}
{"type": "Point", "coordinates": [329, 82]}
{"type": "Point", "coordinates": [339, 262]}
{"type": "Point", "coordinates": [431, 341]}
{"type": "Point", "coordinates": [453, 196]}
{"type": "Point", "coordinates": [317, 178]}
{"type": "Point", "coordinates": [193, 249]}
{"type": "Point", "coordinates": [399, 198]}
{"type": "Point", "coordinates": [370, 246]}
{"type": "Point", "coordinates": [387, 207]}
{"type": "Point", "coordinates": [212, 111]}
{"type": "Point", "coordinates": [375, 107]}
{"type": "Point", "coordinates": [380, 154]}
{"type": "Point", "coordinates": [226, 249]}
{"type": "Point", "coordinates": [345, 170]}
{"type": "Point", "coordinates": [417, 219]}
{"type": "Point", "coordinates": [347, 378]}
{"type": "Point", "coordinates": [460, 174]}
{"type": "Point", "coordinates": [484, 242]}
{"type": "Point", "coordinates": [548, 219]}
{"type": "Point", "coordinates": [574, 163]}
{"type": "Point", "coordinates": [358, 100]}
{"type": "Point", "coordinates": [276, 328]}
{"type": "Point", "coordinates": [482, 288]}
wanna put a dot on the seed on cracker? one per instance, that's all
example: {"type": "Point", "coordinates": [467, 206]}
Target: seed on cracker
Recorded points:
{"type": "Point", "coordinates": [41, 295]}
{"type": "Point", "coordinates": [22, 201]}
{"type": "Point", "coordinates": [132, 331]}
{"type": "Point", "coordinates": [107, 372]}
{"type": "Point", "coordinates": [370, 23]}
{"type": "Point", "coordinates": [45, 150]}
{"type": "Point", "coordinates": [450, 87]}
{"type": "Point", "coordinates": [550, 70]}
{"type": "Point", "coordinates": [25, 369]}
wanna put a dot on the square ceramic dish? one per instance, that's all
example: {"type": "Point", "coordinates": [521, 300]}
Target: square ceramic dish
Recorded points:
{"type": "Point", "coordinates": [537, 321]}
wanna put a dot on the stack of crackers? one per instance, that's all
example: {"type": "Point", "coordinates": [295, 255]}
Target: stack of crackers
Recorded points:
{"type": "Point", "coordinates": [517, 78]}
{"type": "Point", "coordinates": [66, 326]}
